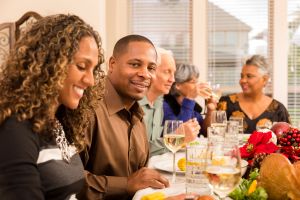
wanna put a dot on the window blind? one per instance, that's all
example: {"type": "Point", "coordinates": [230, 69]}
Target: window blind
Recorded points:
{"type": "Point", "coordinates": [236, 30]}
{"type": "Point", "coordinates": [294, 61]}
{"type": "Point", "coordinates": [167, 23]}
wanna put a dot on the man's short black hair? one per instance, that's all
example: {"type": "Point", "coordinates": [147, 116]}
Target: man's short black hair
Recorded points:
{"type": "Point", "coordinates": [122, 44]}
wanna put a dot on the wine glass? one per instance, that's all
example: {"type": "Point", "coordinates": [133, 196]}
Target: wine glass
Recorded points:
{"type": "Point", "coordinates": [174, 139]}
{"type": "Point", "coordinates": [223, 168]}
{"type": "Point", "coordinates": [216, 92]}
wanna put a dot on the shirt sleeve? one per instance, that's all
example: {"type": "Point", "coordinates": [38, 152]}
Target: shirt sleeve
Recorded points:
{"type": "Point", "coordinates": [103, 187]}
{"type": "Point", "coordinates": [19, 150]}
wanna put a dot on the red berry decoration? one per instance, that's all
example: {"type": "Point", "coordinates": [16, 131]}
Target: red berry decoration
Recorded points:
{"type": "Point", "coordinates": [289, 143]}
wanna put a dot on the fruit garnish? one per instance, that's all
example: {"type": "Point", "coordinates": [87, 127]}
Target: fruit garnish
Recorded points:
{"type": "Point", "coordinates": [181, 163]}
{"type": "Point", "coordinates": [154, 196]}
{"type": "Point", "coordinates": [252, 187]}
{"type": "Point", "coordinates": [218, 161]}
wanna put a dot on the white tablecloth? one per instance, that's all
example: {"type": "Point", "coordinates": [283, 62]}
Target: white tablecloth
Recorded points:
{"type": "Point", "coordinates": [174, 189]}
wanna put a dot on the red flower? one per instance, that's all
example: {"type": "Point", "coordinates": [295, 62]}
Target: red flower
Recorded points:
{"type": "Point", "coordinates": [258, 142]}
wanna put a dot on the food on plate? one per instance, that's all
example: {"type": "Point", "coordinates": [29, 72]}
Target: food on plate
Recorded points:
{"type": "Point", "coordinates": [205, 197]}
{"type": "Point", "coordinates": [280, 127]}
{"type": "Point", "coordinates": [154, 196]}
{"type": "Point", "coordinates": [279, 177]}
{"type": "Point", "coordinates": [181, 163]}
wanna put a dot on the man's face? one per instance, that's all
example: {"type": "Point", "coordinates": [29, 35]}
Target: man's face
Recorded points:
{"type": "Point", "coordinates": [131, 72]}
{"type": "Point", "coordinates": [164, 79]}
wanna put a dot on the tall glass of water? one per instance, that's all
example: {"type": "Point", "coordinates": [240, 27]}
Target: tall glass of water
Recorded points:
{"type": "Point", "coordinates": [174, 139]}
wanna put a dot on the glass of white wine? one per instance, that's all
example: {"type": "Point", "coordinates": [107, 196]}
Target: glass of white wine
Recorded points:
{"type": "Point", "coordinates": [223, 168]}
{"type": "Point", "coordinates": [216, 92]}
{"type": "Point", "coordinates": [174, 139]}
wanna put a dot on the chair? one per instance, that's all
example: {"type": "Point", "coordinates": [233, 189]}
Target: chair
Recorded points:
{"type": "Point", "coordinates": [11, 31]}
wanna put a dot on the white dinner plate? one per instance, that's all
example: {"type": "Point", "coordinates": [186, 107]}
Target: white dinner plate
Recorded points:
{"type": "Point", "coordinates": [167, 166]}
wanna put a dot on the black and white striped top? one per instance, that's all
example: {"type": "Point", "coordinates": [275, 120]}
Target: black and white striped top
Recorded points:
{"type": "Point", "coordinates": [31, 169]}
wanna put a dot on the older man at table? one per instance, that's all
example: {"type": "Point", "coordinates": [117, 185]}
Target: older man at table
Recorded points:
{"type": "Point", "coordinates": [117, 147]}
{"type": "Point", "coordinates": [152, 103]}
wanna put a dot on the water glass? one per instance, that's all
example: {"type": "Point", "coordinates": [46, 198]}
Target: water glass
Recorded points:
{"type": "Point", "coordinates": [240, 121]}
{"type": "Point", "coordinates": [232, 133]}
{"type": "Point", "coordinates": [196, 181]}
{"type": "Point", "coordinates": [216, 134]}
{"type": "Point", "coordinates": [218, 117]}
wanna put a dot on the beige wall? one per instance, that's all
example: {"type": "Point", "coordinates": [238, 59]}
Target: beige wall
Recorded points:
{"type": "Point", "coordinates": [108, 17]}
{"type": "Point", "coordinates": [92, 11]}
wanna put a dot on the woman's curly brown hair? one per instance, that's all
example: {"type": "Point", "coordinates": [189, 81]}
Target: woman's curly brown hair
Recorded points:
{"type": "Point", "coordinates": [35, 72]}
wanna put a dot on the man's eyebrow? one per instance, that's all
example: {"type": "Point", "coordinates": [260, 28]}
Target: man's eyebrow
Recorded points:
{"type": "Point", "coordinates": [135, 59]}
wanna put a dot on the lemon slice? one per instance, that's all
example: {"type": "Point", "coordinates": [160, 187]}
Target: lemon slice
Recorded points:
{"type": "Point", "coordinates": [181, 163]}
{"type": "Point", "coordinates": [154, 196]}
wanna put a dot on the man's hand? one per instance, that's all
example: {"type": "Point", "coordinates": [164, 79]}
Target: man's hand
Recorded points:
{"type": "Point", "coordinates": [144, 178]}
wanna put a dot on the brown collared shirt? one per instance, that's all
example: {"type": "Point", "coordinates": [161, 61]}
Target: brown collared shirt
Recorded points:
{"type": "Point", "coordinates": [117, 146]}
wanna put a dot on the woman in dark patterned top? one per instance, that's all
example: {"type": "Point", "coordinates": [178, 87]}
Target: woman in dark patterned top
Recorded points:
{"type": "Point", "coordinates": [256, 108]}
{"type": "Point", "coordinates": [46, 95]}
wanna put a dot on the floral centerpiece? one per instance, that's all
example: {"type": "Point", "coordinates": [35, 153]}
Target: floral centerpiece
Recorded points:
{"type": "Point", "coordinates": [264, 142]}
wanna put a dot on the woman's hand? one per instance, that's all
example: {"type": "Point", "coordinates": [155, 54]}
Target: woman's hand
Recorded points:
{"type": "Point", "coordinates": [211, 104]}
{"type": "Point", "coordinates": [191, 129]}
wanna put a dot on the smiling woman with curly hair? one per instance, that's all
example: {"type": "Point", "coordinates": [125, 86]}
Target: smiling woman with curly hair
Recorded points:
{"type": "Point", "coordinates": [49, 83]}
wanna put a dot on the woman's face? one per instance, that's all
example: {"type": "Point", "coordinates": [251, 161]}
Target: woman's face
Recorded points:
{"type": "Point", "coordinates": [189, 88]}
{"type": "Point", "coordinates": [80, 73]}
{"type": "Point", "coordinates": [252, 81]}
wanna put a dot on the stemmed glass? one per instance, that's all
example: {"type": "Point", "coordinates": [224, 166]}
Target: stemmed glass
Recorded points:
{"type": "Point", "coordinates": [174, 139]}
{"type": "Point", "coordinates": [223, 168]}
{"type": "Point", "coordinates": [216, 91]}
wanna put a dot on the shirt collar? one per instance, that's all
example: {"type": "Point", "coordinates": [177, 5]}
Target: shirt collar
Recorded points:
{"type": "Point", "coordinates": [115, 104]}
{"type": "Point", "coordinates": [157, 103]}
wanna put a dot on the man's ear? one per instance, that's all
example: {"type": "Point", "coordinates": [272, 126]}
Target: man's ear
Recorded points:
{"type": "Point", "coordinates": [111, 65]}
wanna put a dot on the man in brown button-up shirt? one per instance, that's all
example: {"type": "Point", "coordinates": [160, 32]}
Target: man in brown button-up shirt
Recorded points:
{"type": "Point", "coordinates": [117, 147]}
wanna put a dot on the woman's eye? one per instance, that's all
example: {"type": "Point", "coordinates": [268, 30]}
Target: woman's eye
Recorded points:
{"type": "Point", "coordinates": [80, 66]}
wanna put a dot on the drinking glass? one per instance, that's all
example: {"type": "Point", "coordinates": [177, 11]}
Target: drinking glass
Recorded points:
{"type": "Point", "coordinates": [240, 124]}
{"type": "Point", "coordinates": [216, 134]}
{"type": "Point", "coordinates": [218, 118]}
{"type": "Point", "coordinates": [216, 91]}
{"type": "Point", "coordinates": [204, 90]}
{"type": "Point", "coordinates": [174, 139]}
{"type": "Point", "coordinates": [196, 181]}
{"type": "Point", "coordinates": [223, 168]}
